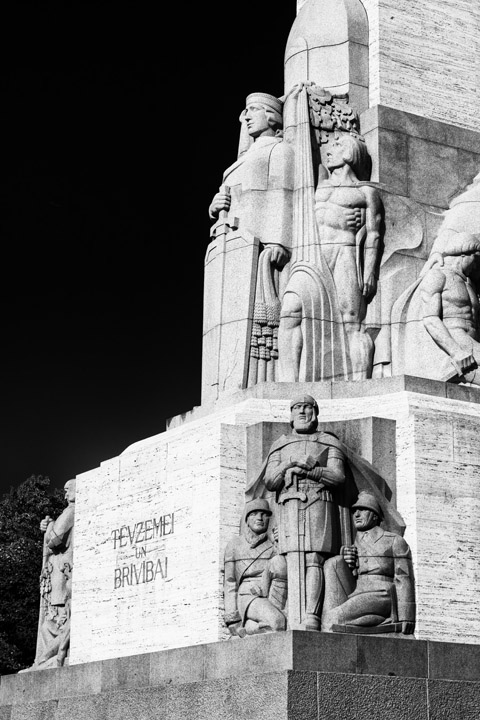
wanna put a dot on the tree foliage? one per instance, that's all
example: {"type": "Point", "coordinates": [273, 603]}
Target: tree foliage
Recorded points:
{"type": "Point", "coordinates": [21, 548]}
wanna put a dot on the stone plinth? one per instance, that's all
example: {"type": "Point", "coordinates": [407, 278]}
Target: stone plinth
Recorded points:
{"type": "Point", "coordinates": [283, 676]}
{"type": "Point", "coordinates": [152, 524]}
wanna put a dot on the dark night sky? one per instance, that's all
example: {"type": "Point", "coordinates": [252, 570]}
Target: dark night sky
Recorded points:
{"type": "Point", "coordinates": [117, 125]}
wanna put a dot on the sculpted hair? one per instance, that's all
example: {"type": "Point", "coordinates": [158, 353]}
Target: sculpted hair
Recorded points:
{"type": "Point", "coordinates": [274, 118]}
{"type": "Point", "coordinates": [357, 155]}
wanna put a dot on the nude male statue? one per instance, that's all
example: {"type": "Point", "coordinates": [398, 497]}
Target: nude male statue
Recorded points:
{"type": "Point", "coordinates": [349, 219]}
{"type": "Point", "coordinates": [451, 311]}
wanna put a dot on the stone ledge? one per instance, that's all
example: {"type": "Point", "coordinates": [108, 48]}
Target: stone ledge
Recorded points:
{"type": "Point", "coordinates": [303, 652]}
{"type": "Point", "coordinates": [332, 391]}
{"type": "Point", "coordinates": [417, 126]}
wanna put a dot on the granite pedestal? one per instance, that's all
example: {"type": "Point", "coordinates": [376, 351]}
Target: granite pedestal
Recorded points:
{"type": "Point", "coordinates": [283, 676]}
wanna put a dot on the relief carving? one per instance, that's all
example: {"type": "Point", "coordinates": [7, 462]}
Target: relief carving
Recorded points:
{"type": "Point", "coordinates": [309, 483]}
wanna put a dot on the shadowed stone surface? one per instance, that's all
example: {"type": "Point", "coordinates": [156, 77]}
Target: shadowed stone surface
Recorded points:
{"type": "Point", "coordinates": [280, 676]}
{"type": "Point", "coordinates": [302, 696]}
{"type": "Point", "coordinates": [371, 698]}
{"type": "Point", "coordinates": [35, 711]}
{"type": "Point", "coordinates": [454, 700]}
{"type": "Point", "coordinates": [400, 657]}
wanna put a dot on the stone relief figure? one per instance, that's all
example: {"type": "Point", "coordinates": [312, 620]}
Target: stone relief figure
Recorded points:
{"type": "Point", "coordinates": [56, 586]}
{"type": "Point", "coordinates": [335, 251]}
{"type": "Point", "coordinates": [256, 197]}
{"type": "Point", "coordinates": [450, 310]}
{"type": "Point", "coordinates": [312, 479]}
{"type": "Point", "coordinates": [370, 587]}
{"type": "Point", "coordinates": [435, 328]}
{"type": "Point", "coordinates": [303, 472]}
{"type": "Point", "coordinates": [255, 576]}
{"type": "Point", "coordinates": [293, 262]}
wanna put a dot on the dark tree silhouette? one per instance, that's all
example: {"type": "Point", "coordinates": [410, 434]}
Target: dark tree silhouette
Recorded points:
{"type": "Point", "coordinates": [21, 543]}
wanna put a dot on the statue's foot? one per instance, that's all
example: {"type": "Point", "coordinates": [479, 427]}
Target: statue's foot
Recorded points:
{"type": "Point", "coordinates": [312, 623]}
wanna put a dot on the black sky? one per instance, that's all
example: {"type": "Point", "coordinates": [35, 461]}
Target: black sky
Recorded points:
{"type": "Point", "coordinates": [118, 121]}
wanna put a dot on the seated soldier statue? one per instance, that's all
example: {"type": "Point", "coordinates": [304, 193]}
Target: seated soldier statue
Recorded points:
{"type": "Point", "coordinates": [370, 587]}
{"type": "Point", "coordinates": [255, 576]}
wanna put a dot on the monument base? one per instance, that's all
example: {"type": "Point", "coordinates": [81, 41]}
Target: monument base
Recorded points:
{"type": "Point", "coordinates": [292, 676]}
{"type": "Point", "coordinates": [151, 526]}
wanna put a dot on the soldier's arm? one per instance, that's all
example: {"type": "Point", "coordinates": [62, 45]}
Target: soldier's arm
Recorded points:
{"type": "Point", "coordinates": [276, 469]}
{"type": "Point", "coordinates": [404, 584]}
{"type": "Point", "coordinates": [57, 532]}
{"type": "Point", "coordinates": [333, 473]}
{"type": "Point", "coordinates": [431, 293]}
{"type": "Point", "coordinates": [373, 222]}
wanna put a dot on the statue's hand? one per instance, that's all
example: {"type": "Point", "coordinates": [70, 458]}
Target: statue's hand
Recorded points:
{"type": "Point", "coordinates": [256, 590]}
{"type": "Point", "coordinates": [350, 555]}
{"type": "Point", "coordinates": [45, 523]}
{"type": "Point", "coordinates": [370, 287]}
{"type": "Point", "coordinates": [237, 629]}
{"type": "Point", "coordinates": [221, 201]}
{"type": "Point", "coordinates": [279, 255]}
{"type": "Point", "coordinates": [408, 628]}
{"type": "Point", "coordinates": [464, 363]}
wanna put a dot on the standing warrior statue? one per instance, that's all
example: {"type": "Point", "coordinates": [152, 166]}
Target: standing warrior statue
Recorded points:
{"type": "Point", "coordinates": [306, 469]}
{"type": "Point", "coordinates": [55, 586]}
{"type": "Point", "coordinates": [255, 199]}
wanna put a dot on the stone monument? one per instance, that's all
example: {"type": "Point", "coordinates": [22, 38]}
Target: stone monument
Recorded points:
{"type": "Point", "coordinates": [218, 573]}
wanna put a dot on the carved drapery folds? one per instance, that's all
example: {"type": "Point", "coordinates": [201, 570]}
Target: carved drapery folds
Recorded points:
{"type": "Point", "coordinates": [306, 233]}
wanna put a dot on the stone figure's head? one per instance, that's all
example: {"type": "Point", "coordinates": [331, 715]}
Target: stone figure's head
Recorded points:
{"type": "Point", "coordinates": [367, 511]}
{"type": "Point", "coordinates": [257, 515]}
{"type": "Point", "coordinates": [304, 414]}
{"type": "Point", "coordinates": [463, 249]}
{"type": "Point", "coordinates": [349, 149]}
{"type": "Point", "coordinates": [69, 490]}
{"type": "Point", "coordinates": [263, 115]}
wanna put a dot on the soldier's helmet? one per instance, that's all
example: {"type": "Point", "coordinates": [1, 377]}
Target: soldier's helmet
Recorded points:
{"type": "Point", "coordinates": [368, 501]}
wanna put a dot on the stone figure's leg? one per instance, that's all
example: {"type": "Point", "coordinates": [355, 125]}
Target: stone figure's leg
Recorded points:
{"type": "Point", "coordinates": [314, 588]}
{"type": "Point", "coordinates": [339, 584]}
{"type": "Point", "coordinates": [364, 608]}
{"type": "Point", "coordinates": [290, 338]}
{"type": "Point", "coordinates": [278, 587]}
{"type": "Point", "coordinates": [267, 617]}
{"type": "Point", "coordinates": [353, 309]}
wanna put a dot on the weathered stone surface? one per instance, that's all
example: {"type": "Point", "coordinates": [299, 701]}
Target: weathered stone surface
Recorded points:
{"type": "Point", "coordinates": [35, 711]}
{"type": "Point", "coordinates": [204, 459]}
{"type": "Point", "coordinates": [420, 158]}
{"type": "Point", "coordinates": [302, 696]}
{"type": "Point", "coordinates": [401, 657]}
{"type": "Point", "coordinates": [292, 675]}
{"type": "Point", "coordinates": [330, 47]}
{"type": "Point", "coordinates": [455, 662]}
{"type": "Point", "coordinates": [371, 698]}
{"type": "Point", "coordinates": [453, 700]}
{"type": "Point", "coordinates": [421, 54]}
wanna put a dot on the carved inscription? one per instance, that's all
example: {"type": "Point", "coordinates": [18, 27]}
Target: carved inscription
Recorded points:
{"type": "Point", "coordinates": [138, 538]}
